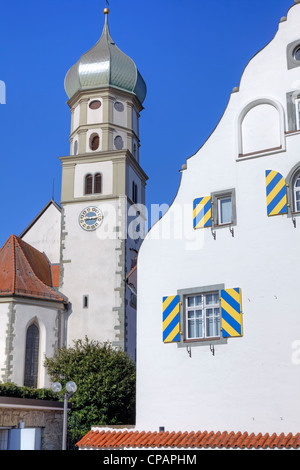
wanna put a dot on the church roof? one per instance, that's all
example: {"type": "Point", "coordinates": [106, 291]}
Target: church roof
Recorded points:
{"type": "Point", "coordinates": [105, 65]}
{"type": "Point", "coordinates": [26, 272]}
{"type": "Point", "coordinates": [131, 439]}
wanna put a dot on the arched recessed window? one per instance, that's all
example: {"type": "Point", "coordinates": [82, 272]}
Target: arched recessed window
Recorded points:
{"type": "Point", "coordinates": [75, 147]}
{"type": "Point", "coordinates": [94, 142]}
{"type": "Point", "coordinates": [297, 193]}
{"type": "Point", "coordinates": [32, 356]}
{"type": "Point", "coordinates": [93, 184]}
{"type": "Point", "coordinates": [134, 192]}
{"type": "Point", "coordinates": [88, 184]}
{"type": "Point", "coordinates": [98, 183]}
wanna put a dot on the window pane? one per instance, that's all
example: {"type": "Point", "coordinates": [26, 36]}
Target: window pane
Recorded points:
{"type": "Point", "coordinates": [225, 210]}
{"type": "Point", "coordinates": [31, 356]}
{"type": "Point", "coordinates": [98, 185]}
{"type": "Point", "coordinates": [191, 301]}
{"type": "Point", "coordinates": [198, 299]}
{"type": "Point", "coordinates": [213, 326]}
{"type": "Point", "coordinates": [88, 184]}
{"type": "Point", "coordinates": [212, 298]}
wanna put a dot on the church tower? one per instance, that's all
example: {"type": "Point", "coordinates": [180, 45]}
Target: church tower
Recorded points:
{"type": "Point", "coordinates": [103, 188]}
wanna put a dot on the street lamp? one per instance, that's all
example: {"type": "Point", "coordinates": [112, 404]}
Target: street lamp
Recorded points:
{"type": "Point", "coordinates": [71, 388]}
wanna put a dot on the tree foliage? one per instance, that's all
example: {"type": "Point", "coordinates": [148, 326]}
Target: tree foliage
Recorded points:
{"type": "Point", "coordinates": [105, 379]}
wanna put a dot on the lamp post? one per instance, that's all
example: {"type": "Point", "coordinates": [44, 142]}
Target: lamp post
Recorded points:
{"type": "Point", "coordinates": [71, 388]}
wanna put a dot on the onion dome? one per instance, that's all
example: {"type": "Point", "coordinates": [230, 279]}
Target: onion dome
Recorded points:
{"type": "Point", "coordinates": [105, 65]}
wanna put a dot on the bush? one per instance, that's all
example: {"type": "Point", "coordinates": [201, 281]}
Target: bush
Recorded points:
{"type": "Point", "coordinates": [105, 379]}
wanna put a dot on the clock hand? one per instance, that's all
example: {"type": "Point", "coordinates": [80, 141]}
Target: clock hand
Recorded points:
{"type": "Point", "coordinates": [91, 218]}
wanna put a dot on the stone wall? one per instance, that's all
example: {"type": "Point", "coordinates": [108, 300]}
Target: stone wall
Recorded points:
{"type": "Point", "coordinates": [34, 414]}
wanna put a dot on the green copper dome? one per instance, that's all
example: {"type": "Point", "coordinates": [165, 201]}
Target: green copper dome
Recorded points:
{"type": "Point", "coordinates": [105, 65]}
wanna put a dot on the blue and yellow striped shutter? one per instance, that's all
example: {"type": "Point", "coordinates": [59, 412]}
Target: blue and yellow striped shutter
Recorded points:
{"type": "Point", "coordinates": [276, 193]}
{"type": "Point", "coordinates": [202, 216]}
{"type": "Point", "coordinates": [232, 316]}
{"type": "Point", "coordinates": [171, 320]}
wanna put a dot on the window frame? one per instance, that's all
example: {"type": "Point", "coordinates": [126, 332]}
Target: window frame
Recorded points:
{"type": "Point", "coordinates": [93, 184]}
{"type": "Point", "coordinates": [295, 201]}
{"type": "Point", "coordinates": [212, 340]}
{"type": "Point", "coordinates": [32, 355]}
{"type": "Point", "coordinates": [291, 179]}
{"type": "Point", "coordinates": [216, 197]}
{"type": "Point", "coordinates": [203, 322]}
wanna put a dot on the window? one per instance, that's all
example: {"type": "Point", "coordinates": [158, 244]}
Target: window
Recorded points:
{"type": "Point", "coordinates": [297, 194]}
{"type": "Point", "coordinates": [297, 53]}
{"type": "Point", "coordinates": [98, 183]}
{"type": "Point", "coordinates": [96, 104]}
{"type": "Point", "coordinates": [75, 147]}
{"type": "Point", "coordinates": [4, 439]}
{"type": "Point", "coordinates": [118, 142]}
{"type": "Point", "coordinates": [85, 301]}
{"type": "Point", "coordinates": [202, 316]}
{"type": "Point", "coordinates": [94, 142]}
{"type": "Point", "coordinates": [119, 106]}
{"type": "Point", "coordinates": [224, 211]}
{"type": "Point", "coordinates": [88, 186]}
{"type": "Point", "coordinates": [93, 184]}
{"type": "Point", "coordinates": [134, 192]}
{"type": "Point", "coordinates": [32, 356]}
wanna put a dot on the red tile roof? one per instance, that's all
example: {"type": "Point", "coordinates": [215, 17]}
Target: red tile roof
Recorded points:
{"type": "Point", "coordinates": [26, 272]}
{"type": "Point", "coordinates": [130, 439]}
{"type": "Point", "coordinates": [55, 275]}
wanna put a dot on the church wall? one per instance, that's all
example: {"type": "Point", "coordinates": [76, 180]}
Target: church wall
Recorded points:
{"type": "Point", "coordinates": [249, 383]}
{"type": "Point", "coordinates": [46, 317]}
{"type": "Point", "coordinates": [96, 254]}
{"type": "Point", "coordinates": [106, 170]}
{"type": "Point", "coordinates": [6, 321]}
{"type": "Point", "coordinates": [44, 235]}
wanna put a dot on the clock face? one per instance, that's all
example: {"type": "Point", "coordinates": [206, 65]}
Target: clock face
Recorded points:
{"type": "Point", "coordinates": [90, 218]}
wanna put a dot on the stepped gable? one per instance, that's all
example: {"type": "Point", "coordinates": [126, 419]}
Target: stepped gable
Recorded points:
{"type": "Point", "coordinates": [26, 272]}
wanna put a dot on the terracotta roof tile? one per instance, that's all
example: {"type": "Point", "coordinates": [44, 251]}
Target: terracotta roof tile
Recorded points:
{"type": "Point", "coordinates": [26, 272]}
{"type": "Point", "coordinates": [112, 439]}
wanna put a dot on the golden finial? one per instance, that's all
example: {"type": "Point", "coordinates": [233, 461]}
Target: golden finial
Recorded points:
{"type": "Point", "coordinates": [106, 11]}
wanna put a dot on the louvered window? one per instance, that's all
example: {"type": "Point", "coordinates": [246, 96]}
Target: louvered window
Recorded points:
{"type": "Point", "coordinates": [88, 188]}
{"type": "Point", "coordinates": [98, 183]}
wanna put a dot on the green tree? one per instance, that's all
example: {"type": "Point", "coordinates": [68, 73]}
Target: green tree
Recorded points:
{"type": "Point", "coordinates": [105, 379]}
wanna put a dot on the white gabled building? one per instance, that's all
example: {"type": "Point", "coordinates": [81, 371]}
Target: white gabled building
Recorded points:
{"type": "Point", "coordinates": [218, 284]}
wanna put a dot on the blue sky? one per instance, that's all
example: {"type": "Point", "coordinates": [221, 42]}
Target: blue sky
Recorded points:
{"type": "Point", "coordinates": [191, 55]}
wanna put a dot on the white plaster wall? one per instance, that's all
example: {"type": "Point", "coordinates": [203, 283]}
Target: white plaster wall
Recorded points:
{"type": "Point", "coordinates": [105, 168]}
{"type": "Point", "coordinates": [261, 129]}
{"type": "Point", "coordinates": [95, 116]}
{"type": "Point", "coordinates": [120, 117]}
{"type": "Point", "coordinates": [133, 177]}
{"type": "Point", "coordinates": [90, 267]}
{"type": "Point", "coordinates": [135, 122]}
{"type": "Point", "coordinates": [76, 117]}
{"type": "Point", "coordinates": [44, 235]}
{"type": "Point", "coordinates": [252, 383]}
{"type": "Point", "coordinates": [46, 317]}
{"type": "Point", "coordinates": [4, 319]}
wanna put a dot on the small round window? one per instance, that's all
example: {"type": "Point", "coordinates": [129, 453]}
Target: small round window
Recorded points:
{"type": "Point", "coordinates": [297, 53]}
{"type": "Point", "coordinates": [119, 106]}
{"type": "Point", "coordinates": [118, 142]}
{"type": "Point", "coordinates": [96, 104]}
